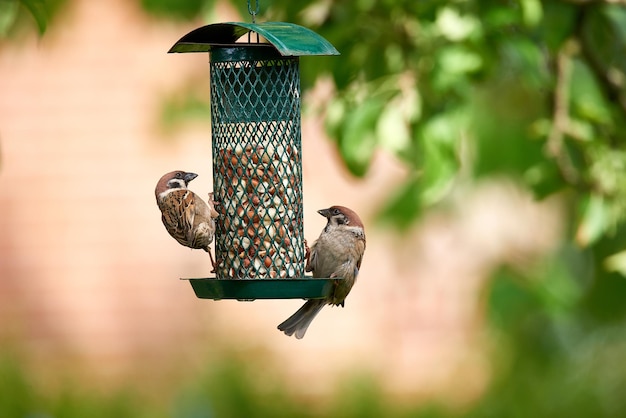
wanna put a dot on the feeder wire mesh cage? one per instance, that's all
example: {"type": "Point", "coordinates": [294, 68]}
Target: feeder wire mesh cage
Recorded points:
{"type": "Point", "coordinates": [257, 169]}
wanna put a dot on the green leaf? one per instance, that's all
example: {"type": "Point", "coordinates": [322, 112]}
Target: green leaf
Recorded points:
{"type": "Point", "coordinates": [454, 26]}
{"type": "Point", "coordinates": [454, 62]}
{"type": "Point", "coordinates": [500, 18]}
{"type": "Point", "coordinates": [587, 98]}
{"type": "Point", "coordinates": [581, 130]}
{"type": "Point", "coordinates": [8, 15]}
{"type": "Point", "coordinates": [543, 178]}
{"type": "Point", "coordinates": [532, 12]}
{"type": "Point", "coordinates": [558, 23]}
{"type": "Point", "coordinates": [594, 220]}
{"type": "Point", "coordinates": [393, 130]}
{"type": "Point", "coordinates": [40, 13]}
{"type": "Point", "coordinates": [439, 172]}
{"type": "Point", "coordinates": [395, 124]}
{"type": "Point", "coordinates": [438, 140]}
{"type": "Point", "coordinates": [357, 141]}
{"type": "Point", "coordinates": [616, 262]}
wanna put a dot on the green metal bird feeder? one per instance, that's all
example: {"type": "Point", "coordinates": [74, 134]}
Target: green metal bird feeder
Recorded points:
{"type": "Point", "coordinates": [257, 158]}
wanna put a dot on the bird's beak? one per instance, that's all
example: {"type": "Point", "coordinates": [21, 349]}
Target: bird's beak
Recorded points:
{"type": "Point", "coordinates": [189, 176]}
{"type": "Point", "coordinates": [324, 212]}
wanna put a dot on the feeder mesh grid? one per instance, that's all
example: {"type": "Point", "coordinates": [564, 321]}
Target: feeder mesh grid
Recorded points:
{"type": "Point", "coordinates": [257, 168]}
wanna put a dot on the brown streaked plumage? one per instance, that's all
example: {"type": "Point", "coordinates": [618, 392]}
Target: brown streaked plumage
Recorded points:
{"type": "Point", "coordinates": [338, 252]}
{"type": "Point", "coordinates": [188, 219]}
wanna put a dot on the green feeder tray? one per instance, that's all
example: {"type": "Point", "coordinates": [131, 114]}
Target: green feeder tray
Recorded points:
{"type": "Point", "coordinates": [249, 290]}
{"type": "Point", "coordinates": [257, 159]}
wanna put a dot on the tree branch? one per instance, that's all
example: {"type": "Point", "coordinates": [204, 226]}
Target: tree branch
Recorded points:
{"type": "Point", "coordinates": [560, 114]}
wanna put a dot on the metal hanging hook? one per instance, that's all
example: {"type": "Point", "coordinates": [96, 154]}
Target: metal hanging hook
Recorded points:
{"type": "Point", "coordinates": [254, 12]}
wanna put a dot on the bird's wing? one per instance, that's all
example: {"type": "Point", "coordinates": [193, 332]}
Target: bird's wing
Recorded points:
{"type": "Point", "coordinates": [202, 222]}
{"type": "Point", "coordinates": [178, 215]}
{"type": "Point", "coordinates": [360, 248]}
{"type": "Point", "coordinates": [189, 214]}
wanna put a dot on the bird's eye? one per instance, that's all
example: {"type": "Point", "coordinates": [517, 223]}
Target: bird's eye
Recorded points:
{"type": "Point", "coordinates": [179, 175]}
{"type": "Point", "coordinates": [336, 211]}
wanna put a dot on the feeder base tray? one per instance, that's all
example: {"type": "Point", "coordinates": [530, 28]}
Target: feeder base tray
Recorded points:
{"type": "Point", "coordinates": [248, 290]}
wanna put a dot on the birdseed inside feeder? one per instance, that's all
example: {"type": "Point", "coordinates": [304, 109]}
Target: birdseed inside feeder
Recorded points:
{"type": "Point", "coordinates": [257, 158]}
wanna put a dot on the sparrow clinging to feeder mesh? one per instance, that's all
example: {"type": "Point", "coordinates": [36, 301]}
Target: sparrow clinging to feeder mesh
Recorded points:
{"type": "Point", "coordinates": [337, 253]}
{"type": "Point", "coordinates": [188, 219]}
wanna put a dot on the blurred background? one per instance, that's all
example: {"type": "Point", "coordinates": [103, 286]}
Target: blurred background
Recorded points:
{"type": "Point", "coordinates": [482, 143]}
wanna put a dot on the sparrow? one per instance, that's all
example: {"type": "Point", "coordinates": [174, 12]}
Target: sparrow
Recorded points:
{"type": "Point", "coordinates": [188, 219]}
{"type": "Point", "coordinates": [337, 253]}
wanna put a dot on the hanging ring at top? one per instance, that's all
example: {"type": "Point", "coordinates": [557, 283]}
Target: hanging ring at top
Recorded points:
{"type": "Point", "coordinates": [254, 12]}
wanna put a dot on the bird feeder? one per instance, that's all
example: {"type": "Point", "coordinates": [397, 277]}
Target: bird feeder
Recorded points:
{"type": "Point", "coordinates": [257, 158]}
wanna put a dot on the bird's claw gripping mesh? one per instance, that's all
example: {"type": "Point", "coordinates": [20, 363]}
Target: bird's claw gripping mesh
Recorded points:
{"type": "Point", "coordinates": [257, 167]}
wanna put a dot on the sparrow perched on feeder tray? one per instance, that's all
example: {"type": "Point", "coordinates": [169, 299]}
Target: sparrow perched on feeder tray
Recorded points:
{"type": "Point", "coordinates": [188, 219]}
{"type": "Point", "coordinates": [337, 253]}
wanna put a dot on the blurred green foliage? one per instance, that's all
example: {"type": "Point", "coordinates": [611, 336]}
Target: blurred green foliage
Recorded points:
{"type": "Point", "coordinates": [556, 380]}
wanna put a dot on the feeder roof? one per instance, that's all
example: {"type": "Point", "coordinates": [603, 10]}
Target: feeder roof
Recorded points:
{"type": "Point", "coordinates": [288, 38]}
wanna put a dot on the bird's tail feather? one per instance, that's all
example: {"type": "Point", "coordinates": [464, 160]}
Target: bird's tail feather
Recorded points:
{"type": "Point", "coordinates": [300, 321]}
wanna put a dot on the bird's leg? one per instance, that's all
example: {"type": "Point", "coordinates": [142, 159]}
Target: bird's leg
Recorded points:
{"type": "Point", "coordinates": [307, 251]}
{"type": "Point", "coordinates": [212, 260]}
{"type": "Point", "coordinates": [307, 256]}
{"type": "Point", "coordinates": [212, 199]}
{"type": "Point", "coordinates": [213, 204]}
